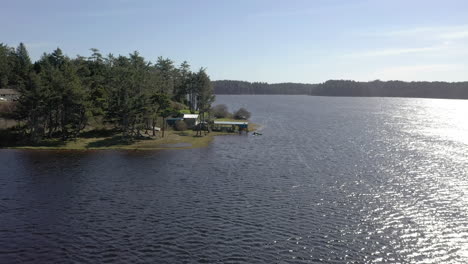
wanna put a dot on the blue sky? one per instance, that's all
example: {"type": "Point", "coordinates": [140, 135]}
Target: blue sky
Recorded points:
{"type": "Point", "coordinates": [305, 41]}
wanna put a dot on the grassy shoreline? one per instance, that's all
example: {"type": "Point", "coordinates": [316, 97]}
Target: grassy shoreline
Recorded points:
{"type": "Point", "coordinates": [171, 140]}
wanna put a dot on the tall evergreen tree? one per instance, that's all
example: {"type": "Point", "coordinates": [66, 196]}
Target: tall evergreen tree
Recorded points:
{"type": "Point", "coordinates": [32, 108]}
{"type": "Point", "coordinates": [59, 94]}
{"type": "Point", "coordinates": [205, 96]}
{"type": "Point", "coordinates": [5, 65]}
{"type": "Point", "coordinates": [21, 65]}
{"type": "Point", "coordinates": [23, 58]}
{"type": "Point", "coordinates": [162, 105]}
{"type": "Point", "coordinates": [165, 68]}
{"type": "Point", "coordinates": [182, 83]}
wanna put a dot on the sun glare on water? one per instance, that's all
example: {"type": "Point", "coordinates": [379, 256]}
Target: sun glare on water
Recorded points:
{"type": "Point", "coordinates": [444, 119]}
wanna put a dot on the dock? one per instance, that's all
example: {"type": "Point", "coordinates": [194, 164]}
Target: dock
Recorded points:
{"type": "Point", "coordinates": [230, 126]}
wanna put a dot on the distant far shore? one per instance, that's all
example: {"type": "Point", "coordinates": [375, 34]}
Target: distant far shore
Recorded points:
{"type": "Point", "coordinates": [106, 140]}
{"type": "Point", "coordinates": [441, 90]}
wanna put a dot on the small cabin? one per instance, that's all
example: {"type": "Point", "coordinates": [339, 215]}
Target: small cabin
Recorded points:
{"type": "Point", "coordinates": [9, 95]}
{"type": "Point", "coordinates": [173, 120]}
{"type": "Point", "coordinates": [190, 119]}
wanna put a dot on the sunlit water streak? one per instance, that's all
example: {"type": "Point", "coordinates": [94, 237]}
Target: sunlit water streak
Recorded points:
{"type": "Point", "coordinates": [335, 180]}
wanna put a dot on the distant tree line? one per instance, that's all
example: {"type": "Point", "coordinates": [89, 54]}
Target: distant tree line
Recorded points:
{"type": "Point", "coordinates": [241, 87]}
{"type": "Point", "coordinates": [455, 90]}
{"type": "Point", "coordinates": [61, 96]}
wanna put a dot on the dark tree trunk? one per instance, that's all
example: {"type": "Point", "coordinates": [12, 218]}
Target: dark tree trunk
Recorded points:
{"type": "Point", "coordinates": [50, 126]}
{"type": "Point", "coordinates": [154, 126]}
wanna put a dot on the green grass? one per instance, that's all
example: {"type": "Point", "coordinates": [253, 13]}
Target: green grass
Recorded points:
{"type": "Point", "coordinates": [108, 139]}
{"type": "Point", "coordinates": [109, 142]}
{"type": "Point", "coordinates": [186, 111]}
{"type": "Point", "coordinates": [231, 120]}
{"type": "Point", "coordinates": [170, 141]}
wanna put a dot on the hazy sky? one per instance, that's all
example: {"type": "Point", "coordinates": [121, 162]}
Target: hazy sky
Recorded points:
{"type": "Point", "coordinates": [258, 40]}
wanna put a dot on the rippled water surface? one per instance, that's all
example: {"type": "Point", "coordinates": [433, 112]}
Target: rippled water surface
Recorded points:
{"type": "Point", "coordinates": [334, 180]}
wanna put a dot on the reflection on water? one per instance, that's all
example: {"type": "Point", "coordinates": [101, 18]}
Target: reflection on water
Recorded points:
{"type": "Point", "coordinates": [336, 180]}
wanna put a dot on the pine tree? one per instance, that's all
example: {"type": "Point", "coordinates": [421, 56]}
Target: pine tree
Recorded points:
{"type": "Point", "coordinates": [59, 94]}
{"type": "Point", "coordinates": [165, 68]}
{"type": "Point", "coordinates": [5, 65]}
{"type": "Point", "coordinates": [21, 65]}
{"type": "Point", "coordinates": [205, 96]}
{"type": "Point", "coordinates": [182, 83]}
{"type": "Point", "coordinates": [32, 108]}
{"type": "Point", "coordinates": [162, 107]}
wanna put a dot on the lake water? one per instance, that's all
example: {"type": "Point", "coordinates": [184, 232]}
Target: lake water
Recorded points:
{"type": "Point", "coordinates": [334, 180]}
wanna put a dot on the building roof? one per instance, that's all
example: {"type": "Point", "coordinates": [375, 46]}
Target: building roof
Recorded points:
{"type": "Point", "coordinates": [8, 91]}
{"type": "Point", "coordinates": [230, 123]}
{"type": "Point", "coordinates": [190, 116]}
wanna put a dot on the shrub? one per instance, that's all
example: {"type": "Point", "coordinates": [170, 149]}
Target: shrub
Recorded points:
{"type": "Point", "coordinates": [180, 125]}
{"type": "Point", "coordinates": [220, 111]}
{"type": "Point", "coordinates": [178, 106]}
{"type": "Point", "coordinates": [242, 113]}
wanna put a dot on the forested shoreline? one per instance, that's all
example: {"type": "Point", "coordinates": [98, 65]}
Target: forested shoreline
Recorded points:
{"type": "Point", "coordinates": [454, 90]}
{"type": "Point", "coordinates": [243, 87]}
{"type": "Point", "coordinates": [60, 96]}
{"type": "Point", "coordinates": [443, 90]}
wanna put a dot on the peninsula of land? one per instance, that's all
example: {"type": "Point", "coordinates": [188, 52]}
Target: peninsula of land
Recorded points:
{"type": "Point", "coordinates": [108, 102]}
